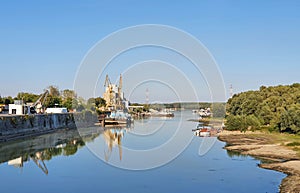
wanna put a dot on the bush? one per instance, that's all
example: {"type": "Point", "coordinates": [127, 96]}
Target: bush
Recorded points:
{"type": "Point", "coordinates": [233, 123]}
{"type": "Point", "coordinates": [293, 144]}
{"type": "Point", "coordinates": [242, 123]}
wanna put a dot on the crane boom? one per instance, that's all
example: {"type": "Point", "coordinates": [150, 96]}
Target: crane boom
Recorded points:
{"type": "Point", "coordinates": [107, 81]}
{"type": "Point", "coordinates": [37, 107]}
{"type": "Point", "coordinates": [43, 96]}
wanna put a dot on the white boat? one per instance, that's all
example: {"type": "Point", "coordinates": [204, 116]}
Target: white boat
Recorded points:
{"type": "Point", "coordinates": [117, 118]}
{"type": "Point", "coordinates": [202, 131]}
{"type": "Point", "coordinates": [163, 113]}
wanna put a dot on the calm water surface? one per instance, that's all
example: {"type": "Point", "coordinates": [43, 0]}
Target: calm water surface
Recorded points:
{"type": "Point", "coordinates": [63, 162]}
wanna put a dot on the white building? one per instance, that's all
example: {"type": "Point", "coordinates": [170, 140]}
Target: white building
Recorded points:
{"type": "Point", "coordinates": [18, 108]}
{"type": "Point", "coordinates": [56, 110]}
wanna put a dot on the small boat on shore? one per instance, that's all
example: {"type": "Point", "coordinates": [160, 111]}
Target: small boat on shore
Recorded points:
{"type": "Point", "coordinates": [203, 130]}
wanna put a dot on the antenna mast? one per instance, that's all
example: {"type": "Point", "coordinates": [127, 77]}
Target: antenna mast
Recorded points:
{"type": "Point", "coordinates": [231, 91]}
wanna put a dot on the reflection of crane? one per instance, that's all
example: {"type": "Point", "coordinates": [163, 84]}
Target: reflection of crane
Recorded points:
{"type": "Point", "coordinates": [37, 107]}
{"type": "Point", "coordinates": [41, 164]}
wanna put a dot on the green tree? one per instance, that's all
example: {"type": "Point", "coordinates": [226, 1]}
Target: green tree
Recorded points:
{"type": "Point", "coordinates": [8, 100]}
{"type": "Point", "coordinates": [53, 101]}
{"type": "Point", "coordinates": [68, 94]}
{"type": "Point", "coordinates": [68, 103]}
{"type": "Point", "coordinates": [27, 97]}
{"type": "Point", "coordinates": [54, 91]}
{"type": "Point", "coordinates": [242, 123]}
{"type": "Point", "coordinates": [233, 123]}
{"type": "Point", "coordinates": [290, 119]}
{"type": "Point", "coordinates": [100, 102]}
{"type": "Point", "coordinates": [218, 109]}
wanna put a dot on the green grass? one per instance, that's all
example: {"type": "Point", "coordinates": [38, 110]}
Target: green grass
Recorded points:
{"type": "Point", "coordinates": [295, 143]}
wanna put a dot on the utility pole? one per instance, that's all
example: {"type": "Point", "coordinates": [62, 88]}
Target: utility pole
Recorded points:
{"type": "Point", "coordinates": [231, 91]}
{"type": "Point", "coordinates": [147, 96]}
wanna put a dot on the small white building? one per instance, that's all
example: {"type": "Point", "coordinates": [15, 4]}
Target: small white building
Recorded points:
{"type": "Point", "coordinates": [56, 110]}
{"type": "Point", "coordinates": [17, 108]}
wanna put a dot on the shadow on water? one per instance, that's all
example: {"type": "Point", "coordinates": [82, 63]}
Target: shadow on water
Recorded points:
{"type": "Point", "coordinates": [237, 154]}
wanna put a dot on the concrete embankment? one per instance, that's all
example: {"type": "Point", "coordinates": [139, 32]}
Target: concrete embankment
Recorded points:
{"type": "Point", "coordinates": [20, 126]}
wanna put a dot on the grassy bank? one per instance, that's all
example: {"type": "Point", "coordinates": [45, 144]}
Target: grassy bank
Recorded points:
{"type": "Point", "coordinates": [210, 120]}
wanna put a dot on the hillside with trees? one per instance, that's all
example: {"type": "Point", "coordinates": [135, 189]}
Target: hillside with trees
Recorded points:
{"type": "Point", "coordinates": [276, 108]}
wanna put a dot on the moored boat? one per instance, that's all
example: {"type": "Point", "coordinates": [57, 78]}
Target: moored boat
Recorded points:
{"type": "Point", "coordinates": [202, 130]}
{"type": "Point", "coordinates": [116, 118]}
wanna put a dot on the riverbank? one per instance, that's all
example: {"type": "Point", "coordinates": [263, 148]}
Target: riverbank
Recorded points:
{"type": "Point", "coordinates": [213, 121]}
{"type": "Point", "coordinates": [281, 150]}
{"type": "Point", "coordinates": [14, 127]}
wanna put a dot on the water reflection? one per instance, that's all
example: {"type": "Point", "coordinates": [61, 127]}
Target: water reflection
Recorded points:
{"type": "Point", "coordinates": [113, 138]}
{"type": "Point", "coordinates": [43, 148]}
{"type": "Point", "coordinates": [62, 143]}
{"type": "Point", "coordinates": [233, 154]}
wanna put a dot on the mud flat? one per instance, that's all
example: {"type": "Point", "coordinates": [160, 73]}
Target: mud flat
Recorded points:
{"type": "Point", "coordinates": [268, 147]}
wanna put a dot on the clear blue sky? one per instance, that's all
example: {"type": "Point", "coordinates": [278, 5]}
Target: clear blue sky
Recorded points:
{"type": "Point", "coordinates": [43, 42]}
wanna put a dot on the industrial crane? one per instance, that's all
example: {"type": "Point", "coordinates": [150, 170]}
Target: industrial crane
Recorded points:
{"type": "Point", "coordinates": [107, 81]}
{"type": "Point", "coordinates": [119, 99]}
{"type": "Point", "coordinates": [37, 107]}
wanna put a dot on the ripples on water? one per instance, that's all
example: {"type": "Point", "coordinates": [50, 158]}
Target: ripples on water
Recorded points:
{"type": "Point", "coordinates": [62, 162]}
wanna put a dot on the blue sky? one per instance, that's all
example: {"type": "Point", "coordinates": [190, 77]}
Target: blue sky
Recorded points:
{"type": "Point", "coordinates": [42, 43]}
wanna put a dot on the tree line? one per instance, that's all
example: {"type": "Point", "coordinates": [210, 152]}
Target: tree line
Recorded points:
{"type": "Point", "coordinates": [275, 107]}
{"type": "Point", "coordinates": [58, 98]}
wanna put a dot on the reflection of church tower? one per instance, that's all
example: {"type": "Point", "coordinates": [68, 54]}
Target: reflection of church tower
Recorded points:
{"type": "Point", "coordinates": [113, 139]}
{"type": "Point", "coordinates": [120, 146]}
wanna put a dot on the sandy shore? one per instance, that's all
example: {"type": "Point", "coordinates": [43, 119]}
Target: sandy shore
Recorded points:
{"type": "Point", "coordinates": [261, 145]}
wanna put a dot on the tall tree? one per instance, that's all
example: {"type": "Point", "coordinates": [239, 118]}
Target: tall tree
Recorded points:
{"type": "Point", "coordinates": [54, 91]}
{"type": "Point", "coordinates": [68, 94]}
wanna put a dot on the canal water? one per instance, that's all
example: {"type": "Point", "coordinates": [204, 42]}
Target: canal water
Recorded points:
{"type": "Point", "coordinates": [142, 158]}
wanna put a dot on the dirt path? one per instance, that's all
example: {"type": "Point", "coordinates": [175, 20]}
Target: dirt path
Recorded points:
{"type": "Point", "coordinates": [261, 145]}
